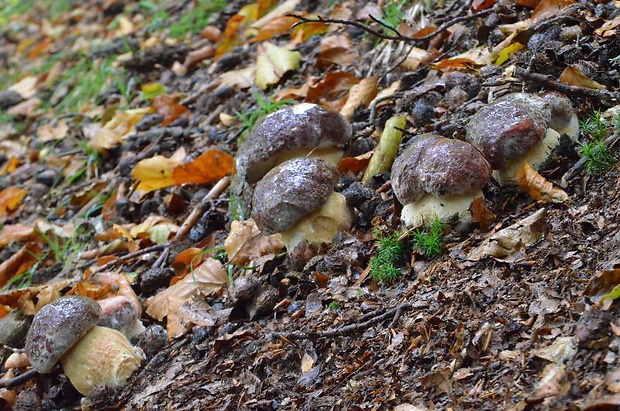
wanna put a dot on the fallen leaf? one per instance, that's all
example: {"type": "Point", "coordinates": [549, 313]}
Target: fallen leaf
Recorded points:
{"type": "Point", "coordinates": [479, 5]}
{"type": "Point", "coordinates": [229, 38]}
{"type": "Point", "coordinates": [206, 279]}
{"type": "Point", "coordinates": [336, 50]}
{"type": "Point", "coordinates": [360, 95]}
{"type": "Point", "coordinates": [273, 62]}
{"type": "Point", "coordinates": [152, 90]}
{"type": "Point", "coordinates": [531, 182]}
{"type": "Point", "coordinates": [354, 164]}
{"type": "Point", "coordinates": [504, 54]}
{"type": "Point", "coordinates": [553, 383]}
{"type": "Point", "coordinates": [549, 8]}
{"type": "Point", "coordinates": [246, 243]}
{"type": "Point", "coordinates": [562, 350]}
{"type": "Point", "coordinates": [207, 168]}
{"type": "Point", "coordinates": [333, 90]}
{"type": "Point", "coordinates": [238, 79]}
{"type": "Point", "coordinates": [527, 3]}
{"type": "Point", "coordinates": [604, 286]}
{"type": "Point", "coordinates": [508, 241]}
{"type": "Point", "coordinates": [26, 87]}
{"type": "Point", "coordinates": [19, 262]}
{"type": "Point", "coordinates": [49, 132]}
{"type": "Point", "coordinates": [167, 106]}
{"type": "Point", "coordinates": [480, 214]}
{"type": "Point", "coordinates": [608, 28]}
{"type": "Point", "coordinates": [15, 233]}
{"type": "Point", "coordinates": [279, 25]}
{"type": "Point", "coordinates": [573, 76]}
{"type": "Point", "coordinates": [455, 64]}
{"type": "Point", "coordinates": [387, 148]}
{"type": "Point", "coordinates": [10, 198]}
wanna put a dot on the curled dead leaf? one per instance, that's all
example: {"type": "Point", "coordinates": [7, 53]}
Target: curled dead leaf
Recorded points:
{"type": "Point", "coordinates": [245, 243]}
{"type": "Point", "coordinates": [531, 182]}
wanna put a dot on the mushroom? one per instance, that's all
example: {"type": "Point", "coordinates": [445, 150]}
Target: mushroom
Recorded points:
{"type": "Point", "coordinates": [90, 355]}
{"type": "Point", "coordinates": [438, 176]}
{"type": "Point", "coordinates": [521, 127]}
{"type": "Point", "coordinates": [297, 199]}
{"type": "Point", "coordinates": [297, 131]}
{"type": "Point", "coordinates": [119, 313]}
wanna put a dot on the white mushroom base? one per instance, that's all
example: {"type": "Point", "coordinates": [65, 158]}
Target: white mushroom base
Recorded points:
{"type": "Point", "coordinates": [320, 225]}
{"type": "Point", "coordinates": [453, 208]}
{"type": "Point", "coordinates": [535, 157]}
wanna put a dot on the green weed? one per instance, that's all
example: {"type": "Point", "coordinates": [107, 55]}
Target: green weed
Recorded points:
{"type": "Point", "coordinates": [429, 242]}
{"type": "Point", "coordinates": [393, 13]}
{"type": "Point", "coordinates": [598, 157]}
{"type": "Point", "coordinates": [197, 19]}
{"type": "Point", "coordinates": [235, 207]}
{"type": "Point", "coordinates": [334, 306]}
{"type": "Point", "coordinates": [595, 126]}
{"type": "Point", "coordinates": [266, 105]}
{"type": "Point", "coordinates": [383, 267]}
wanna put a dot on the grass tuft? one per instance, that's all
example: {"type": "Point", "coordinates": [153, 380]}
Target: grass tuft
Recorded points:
{"type": "Point", "coordinates": [598, 157]}
{"type": "Point", "coordinates": [383, 267]}
{"type": "Point", "coordinates": [429, 242]}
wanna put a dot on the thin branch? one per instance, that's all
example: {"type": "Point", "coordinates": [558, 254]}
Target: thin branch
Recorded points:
{"type": "Point", "coordinates": [126, 257]}
{"type": "Point", "coordinates": [347, 329]}
{"type": "Point", "coordinates": [20, 379]}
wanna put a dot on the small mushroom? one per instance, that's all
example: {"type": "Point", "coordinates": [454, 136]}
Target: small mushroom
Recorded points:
{"type": "Point", "coordinates": [297, 199]}
{"type": "Point", "coordinates": [65, 330]}
{"type": "Point", "coordinates": [437, 176]}
{"type": "Point", "coordinates": [296, 131]}
{"type": "Point", "coordinates": [521, 127]}
{"type": "Point", "coordinates": [119, 313]}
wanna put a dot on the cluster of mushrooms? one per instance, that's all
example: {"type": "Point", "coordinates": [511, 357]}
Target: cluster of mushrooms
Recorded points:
{"type": "Point", "coordinates": [289, 162]}
{"type": "Point", "coordinates": [292, 154]}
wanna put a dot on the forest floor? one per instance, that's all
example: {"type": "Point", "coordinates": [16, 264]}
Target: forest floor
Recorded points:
{"type": "Point", "coordinates": [102, 102]}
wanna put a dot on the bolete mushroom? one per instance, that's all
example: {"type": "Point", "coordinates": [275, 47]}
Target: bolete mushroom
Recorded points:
{"type": "Point", "coordinates": [521, 127]}
{"type": "Point", "coordinates": [297, 131]}
{"type": "Point", "coordinates": [91, 356]}
{"type": "Point", "coordinates": [120, 313]}
{"type": "Point", "coordinates": [297, 199]}
{"type": "Point", "coordinates": [438, 176]}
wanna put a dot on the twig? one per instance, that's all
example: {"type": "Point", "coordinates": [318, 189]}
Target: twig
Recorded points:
{"type": "Point", "coordinates": [201, 208]}
{"type": "Point", "coordinates": [20, 379]}
{"type": "Point", "coordinates": [399, 37]}
{"type": "Point", "coordinates": [126, 257]}
{"type": "Point", "coordinates": [347, 329]}
{"type": "Point", "coordinates": [606, 97]}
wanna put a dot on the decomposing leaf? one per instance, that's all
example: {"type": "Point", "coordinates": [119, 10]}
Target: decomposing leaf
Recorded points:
{"type": "Point", "coordinates": [609, 28]}
{"type": "Point", "coordinates": [49, 132]}
{"type": "Point", "coordinates": [333, 90]}
{"type": "Point", "coordinates": [562, 350]}
{"type": "Point", "coordinates": [479, 5]}
{"type": "Point", "coordinates": [229, 38]}
{"type": "Point", "coordinates": [454, 63]}
{"type": "Point", "coordinates": [605, 286]}
{"type": "Point", "coordinates": [508, 241]}
{"type": "Point", "coordinates": [112, 133]}
{"type": "Point", "coordinates": [480, 214]}
{"type": "Point", "coordinates": [26, 87]}
{"type": "Point", "coordinates": [158, 229]}
{"type": "Point", "coordinates": [15, 233]}
{"type": "Point", "coordinates": [531, 182]}
{"type": "Point", "coordinates": [549, 8]}
{"type": "Point", "coordinates": [167, 106]}
{"type": "Point", "coordinates": [415, 57]}
{"type": "Point", "coordinates": [573, 76]}
{"type": "Point", "coordinates": [152, 90]}
{"type": "Point", "coordinates": [10, 198]}
{"type": "Point", "coordinates": [279, 25]}
{"type": "Point", "coordinates": [238, 79]}
{"type": "Point", "coordinates": [246, 243]}
{"type": "Point", "coordinates": [504, 54]}
{"type": "Point", "coordinates": [336, 50]}
{"type": "Point", "coordinates": [206, 279]}
{"type": "Point", "coordinates": [360, 94]}
{"type": "Point", "coordinates": [354, 164]}
{"type": "Point", "coordinates": [553, 383]}
{"type": "Point", "coordinates": [273, 62]}
{"type": "Point", "coordinates": [19, 262]}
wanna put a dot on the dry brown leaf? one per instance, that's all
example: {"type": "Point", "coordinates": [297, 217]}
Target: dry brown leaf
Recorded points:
{"type": "Point", "coordinates": [48, 132]}
{"type": "Point", "coordinates": [26, 87]}
{"type": "Point", "coordinates": [336, 50]}
{"type": "Point", "coordinates": [452, 64]}
{"type": "Point", "coordinates": [246, 243]}
{"type": "Point", "coordinates": [206, 279]}
{"type": "Point", "coordinates": [602, 284]}
{"type": "Point", "coordinates": [531, 182]}
{"type": "Point", "coordinates": [505, 243]}
{"type": "Point", "coordinates": [573, 76]}
{"type": "Point", "coordinates": [207, 168]}
{"type": "Point", "coordinates": [230, 37]}
{"type": "Point", "coordinates": [480, 214]}
{"type": "Point", "coordinates": [333, 90]}
{"type": "Point", "coordinates": [279, 25]}
{"type": "Point", "coordinates": [19, 262]}
{"type": "Point", "coordinates": [10, 198]}
{"type": "Point", "coordinates": [553, 383]}
{"type": "Point", "coordinates": [15, 233]}
{"type": "Point", "coordinates": [609, 28]}
{"type": "Point", "coordinates": [549, 8]}
{"type": "Point", "coordinates": [355, 164]}
{"type": "Point", "coordinates": [360, 94]}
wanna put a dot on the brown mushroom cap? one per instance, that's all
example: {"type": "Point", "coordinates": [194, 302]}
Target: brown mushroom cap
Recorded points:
{"type": "Point", "coordinates": [57, 327]}
{"type": "Point", "coordinates": [438, 166]}
{"type": "Point", "coordinates": [290, 191]}
{"type": "Point", "coordinates": [302, 126]}
{"type": "Point", "coordinates": [509, 127]}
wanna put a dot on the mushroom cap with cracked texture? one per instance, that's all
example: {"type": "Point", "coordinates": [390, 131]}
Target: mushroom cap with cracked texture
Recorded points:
{"type": "Point", "coordinates": [57, 327]}
{"type": "Point", "coordinates": [438, 166]}
{"type": "Point", "coordinates": [509, 127]}
{"type": "Point", "coordinates": [305, 125]}
{"type": "Point", "coordinates": [291, 190]}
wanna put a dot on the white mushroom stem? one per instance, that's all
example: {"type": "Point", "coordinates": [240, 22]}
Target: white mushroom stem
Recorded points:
{"type": "Point", "coordinates": [422, 211]}
{"type": "Point", "coordinates": [571, 129]}
{"type": "Point", "coordinates": [103, 357]}
{"type": "Point", "coordinates": [322, 224]}
{"type": "Point", "coordinates": [535, 157]}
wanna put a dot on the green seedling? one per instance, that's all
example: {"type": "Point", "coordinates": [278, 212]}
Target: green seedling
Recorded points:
{"type": "Point", "coordinates": [197, 19]}
{"type": "Point", "coordinates": [598, 157]}
{"type": "Point", "coordinates": [383, 267]}
{"type": "Point", "coordinates": [265, 106]}
{"type": "Point", "coordinates": [334, 306]}
{"type": "Point", "coordinates": [429, 242]}
{"type": "Point", "coordinates": [393, 13]}
{"type": "Point", "coordinates": [615, 61]}
{"type": "Point", "coordinates": [235, 207]}
{"type": "Point", "coordinates": [595, 126]}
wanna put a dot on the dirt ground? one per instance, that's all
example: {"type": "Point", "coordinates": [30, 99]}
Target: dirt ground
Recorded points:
{"type": "Point", "coordinates": [528, 330]}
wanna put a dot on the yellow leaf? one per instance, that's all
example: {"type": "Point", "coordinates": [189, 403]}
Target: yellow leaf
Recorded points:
{"type": "Point", "coordinates": [506, 52]}
{"type": "Point", "coordinates": [573, 76]}
{"type": "Point", "coordinates": [154, 173]}
{"type": "Point", "coordinates": [537, 186]}
{"type": "Point", "coordinates": [246, 243]}
{"type": "Point", "coordinates": [206, 168]}
{"type": "Point", "coordinates": [273, 62]}
{"type": "Point", "coordinates": [360, 94]}
{"type": "Point", "coordinates": [10, 198]}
